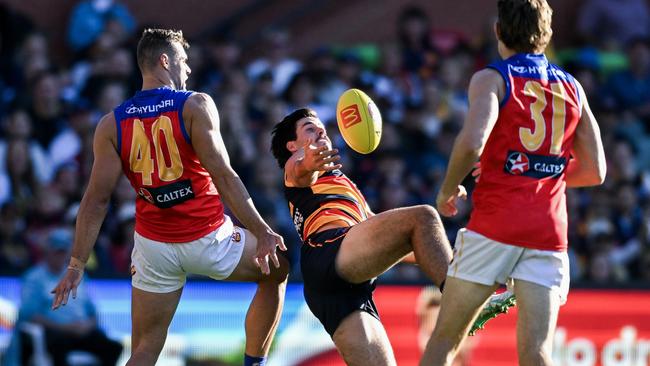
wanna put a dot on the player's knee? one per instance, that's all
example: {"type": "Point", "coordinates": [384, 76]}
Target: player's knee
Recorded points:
{"type": "Point", "coordinates": [426, 214]}
{"type": "Point", "coordinates": [142, 357]}
{"type": "Point", "coordinates": [534, 353]}
{"type": "Point", "coordinates": [535, 357]}
{"type": "Point", "coordinates": [148, 350]}
{"type": "Point", "coordinates": [281, 274]}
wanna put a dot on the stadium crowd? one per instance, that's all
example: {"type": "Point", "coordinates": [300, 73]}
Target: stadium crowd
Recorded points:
{"type": "Point", "coordinates": [419, 78]}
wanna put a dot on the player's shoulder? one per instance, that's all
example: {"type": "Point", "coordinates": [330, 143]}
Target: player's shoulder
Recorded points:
{"type": "Point", "coordinates": [107, 119]}
{"type": "Point", "coordinates": [486, 75]}
{"type": "Point", "coordinates": [200, 109]}
{"type": "Point", "coordinates": [198, 99]}
{"type": "Point", "coordinates": [486, 80]}
{"type": "Point", "coordinates": [106, 127]}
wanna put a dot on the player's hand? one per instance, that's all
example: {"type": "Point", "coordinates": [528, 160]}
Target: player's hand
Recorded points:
{"type": "Point", "coordinates": [68, 284]}
{"type": "Point", "coordinates": [320, 157]}
{"type": "Point", "coordinates": [446, 202]}
{"type": "Point", "coordinates": [476, 173]}
{"type": "Point", "coordinates": [267, 242]}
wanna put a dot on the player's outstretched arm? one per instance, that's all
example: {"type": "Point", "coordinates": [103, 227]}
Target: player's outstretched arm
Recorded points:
{"type": "Point", "coordinates": [106, 171]}
{"type": "Point", "coordinates": [588, 166]}
{"type": "Point", "coordinates": [484, 90]}
{"type": "Point", "coordinates": [203, 117]}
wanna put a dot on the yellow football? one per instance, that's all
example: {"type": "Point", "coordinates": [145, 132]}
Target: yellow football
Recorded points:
{"type": "Point", "coordinates": [359, 121]}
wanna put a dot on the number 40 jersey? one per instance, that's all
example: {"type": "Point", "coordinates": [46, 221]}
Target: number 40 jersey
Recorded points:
{"type": "Point", "coordinates": [177, 200]}
{"type": "Point", "coordinates": [520, 197]}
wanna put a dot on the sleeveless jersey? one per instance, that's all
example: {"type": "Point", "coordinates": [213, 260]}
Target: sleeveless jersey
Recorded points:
{"type": "Point", "coordinates": [177, 201]}
{"type": "Point", "coordinates": [520, 197]}
{"type": "Point", "coordinates": [333, 197]}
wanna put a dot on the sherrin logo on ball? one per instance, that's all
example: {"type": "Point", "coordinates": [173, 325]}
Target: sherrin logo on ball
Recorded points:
{"type": "Point", "coordinates": [359, 121]}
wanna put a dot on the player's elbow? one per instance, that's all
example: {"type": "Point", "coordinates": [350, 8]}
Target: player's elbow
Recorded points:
{"type": "Point", "coordinates": [470, 143]}
{"type": "Point", "coordinates": [594, 177]}
{"type": "Point", "coordinates": [469, 147]}
{"type": "Point", "coordinates": [101, 202]}
{"type": "Point", "coordinates": [94, 202]}
{"type": "Point", "coordinates": [599, 171]}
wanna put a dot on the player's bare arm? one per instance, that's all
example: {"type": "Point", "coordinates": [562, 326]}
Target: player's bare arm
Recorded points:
{"type": "Point", "coordinates": [202, 117]}
{"type": "Point", "coordinates": [302, 169]}
{"type": "Point", "coordinates": [485, 90]}
{"type": "Point", "coordinates": [106, 171]}
{"type": "Point", "coordinates": [588, 166]}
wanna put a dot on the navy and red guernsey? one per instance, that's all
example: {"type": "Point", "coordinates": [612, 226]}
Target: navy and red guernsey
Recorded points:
{"type": "Point", "coordinates": [177, 201]}
{"type": "Point", "coordinates": [520, 197]}
{"type": "Point", "coordinates": [333, 197]}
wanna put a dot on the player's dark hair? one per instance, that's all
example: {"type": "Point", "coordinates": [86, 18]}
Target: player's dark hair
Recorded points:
{"type": "Point", "coordinates": [285, 131]}
{"type": "Point", "coordinates": [155, 42]}
{"type": "Point", "coordinates": [525, 25]}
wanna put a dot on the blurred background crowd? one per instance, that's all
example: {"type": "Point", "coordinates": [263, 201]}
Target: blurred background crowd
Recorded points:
{"type": "Point", "coordinates": [418, 77]}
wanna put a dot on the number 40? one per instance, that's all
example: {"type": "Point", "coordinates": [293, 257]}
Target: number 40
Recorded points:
{"type": "Point", "coordinates": [140, 157]}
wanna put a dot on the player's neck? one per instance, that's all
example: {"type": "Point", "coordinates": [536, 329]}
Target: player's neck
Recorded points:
{"type": "Point", "coordinates": [506, 53]}
{"type": "Point", "coordinates": [153, 81]}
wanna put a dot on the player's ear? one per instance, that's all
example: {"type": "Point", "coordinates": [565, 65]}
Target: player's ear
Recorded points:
{"type": "Point", "coordinates": [497, 31]}
{"type": "Point", "coordinates": [164, 60]}
{"type": "Point", "coordinates": [292, 146]}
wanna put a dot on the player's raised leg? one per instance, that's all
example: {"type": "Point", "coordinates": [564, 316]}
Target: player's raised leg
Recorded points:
{"type": "Point", "coordinates": [455, 319]}
{"type": "Point", "coordinates": [150, 327]}
{"type": "Point", "coordinates": [538, 310]}
{"type": "Point", "coordinates": [361, 340]}
{"type": "Point", "coordinates": [373, 246]}
{"type": "Point", "coordinates": [264, 312]}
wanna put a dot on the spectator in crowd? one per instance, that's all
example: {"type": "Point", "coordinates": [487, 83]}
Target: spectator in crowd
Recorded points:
{"type": "Point", "coordinates": [277, 60]}
{"type": "Point", "coordinates": [30, 59]}
{"type": "Point", "coordinates": [630, 89]}
{"type": "Point", "coordinates": [612, 23]}
{"type": "Point", "coordinates": [46, 107]}
{"type": "Point", "coordinates": [330, 76]}
{"type": "Point", "coordinates": [13, 28]}
{"type": "Point", "coordinates": [91, 18]}
{"type": "Point", "coordinates": [390, 84]}
{"type": "Point", "coordinates": [414, 35]}
{"type": "Point", "coordinates": [222, 56]}
{"type": "Point", "coordinates": [73, 327]}
{"type": "Point", "coordinates": [67, 146]}
{"type": "Point", "coordinates": [14, 255]}
{"type": "Point", "coordinates": [24, 164]}
{"type": "Point", "coordinates": [301, 92]}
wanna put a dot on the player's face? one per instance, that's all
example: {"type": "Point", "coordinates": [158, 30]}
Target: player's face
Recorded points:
{"type": "Point", "coordinates": [178, 67]}
{"type": "Point", "coordinates": [310, 127]}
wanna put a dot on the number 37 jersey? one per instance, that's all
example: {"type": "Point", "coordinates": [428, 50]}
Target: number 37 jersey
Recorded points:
{"type": "Point", "coordinates": [520, 197]}
{"type": "Point", "coordinates": [177, 200]}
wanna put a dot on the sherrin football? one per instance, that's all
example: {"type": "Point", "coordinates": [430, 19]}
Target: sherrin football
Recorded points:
{"type": "Point", "coordinates": [359, 121]}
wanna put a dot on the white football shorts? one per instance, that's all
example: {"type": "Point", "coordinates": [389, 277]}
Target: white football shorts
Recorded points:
{"type": "Point", "coordinates": [482, 260]}
{"type": "Point", "coordinates": [163, 267]}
